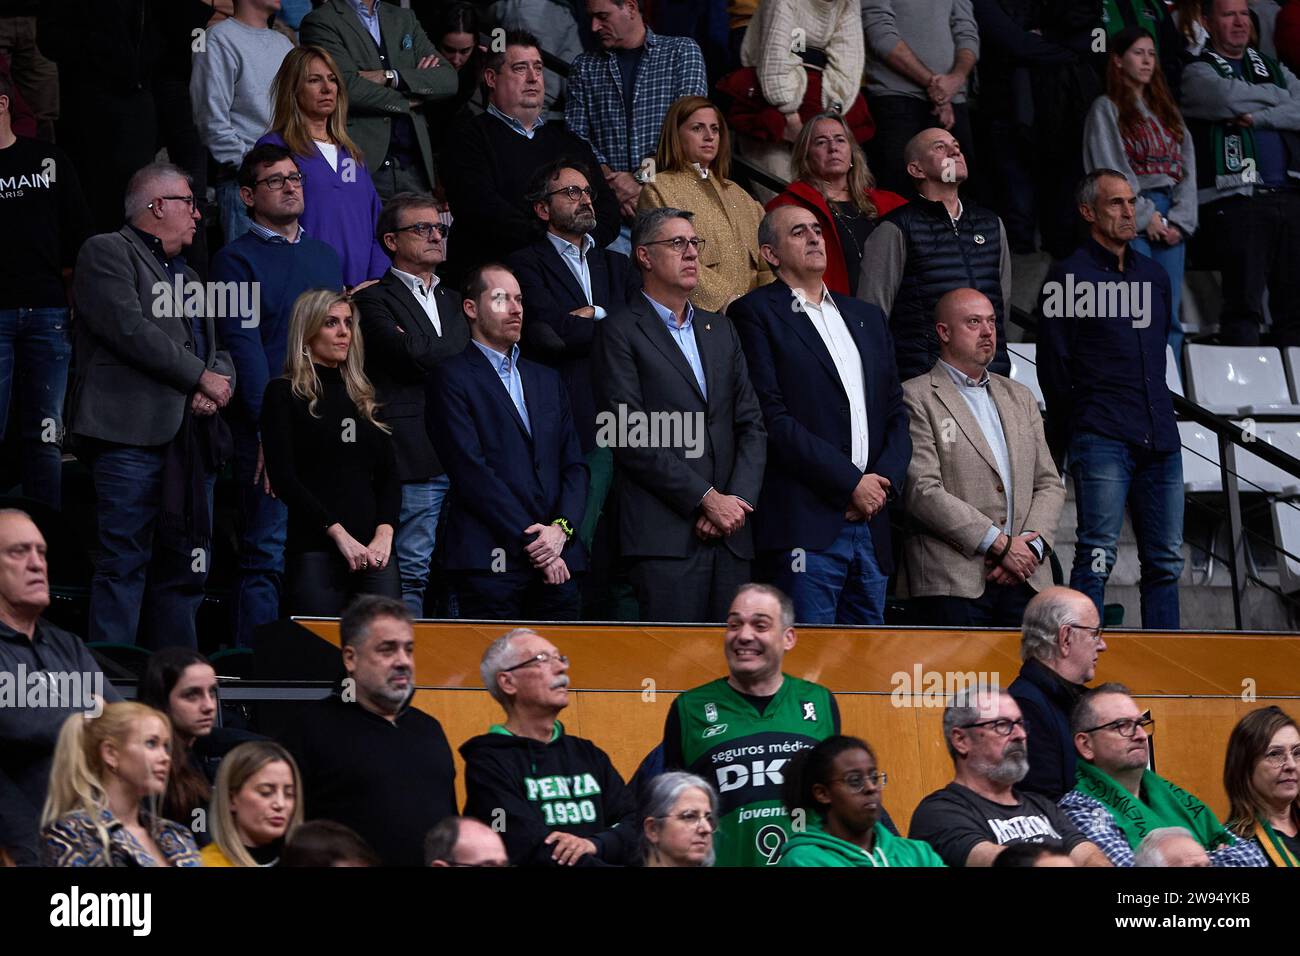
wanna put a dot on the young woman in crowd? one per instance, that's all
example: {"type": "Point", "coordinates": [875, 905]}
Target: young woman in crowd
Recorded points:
{"type": "Point", "coordinates": [679, 816]}
{"type": "Point", "coordinates": [256, 804]}
{"type": "Point", "coordinates": [691, 168]}
{"type": "Point", "coordinates": [455, 32]}
{"type": "Point", "coordinates": [104, 770]}
{"type": "Point", "coordinates": [833, 182]}
{"type": "Point", "coordinates": [1261, 774]}
{"type": "Point", "coordinates": [834, 789]}
{"type": "Point", "coordinates": [331, 462]}
{"type": "Point", "coordinates": [181, 683]}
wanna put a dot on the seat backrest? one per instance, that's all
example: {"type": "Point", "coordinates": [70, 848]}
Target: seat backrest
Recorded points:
{"type": "Point", "coordinates": [1024, 368]}
{"type": "Point", "coordinates": [1172, 378]}
{"type": "Point", "coordinates": [1286, 535]}
{"type": "Point", "coordinates": [1258, 474]}
{"type": "Point", "coordinates": [1291, 355]}
{"type": "Point", "coordinates": [1200, 458]}
{"type": "Point", "coordinates": [1226, 378]}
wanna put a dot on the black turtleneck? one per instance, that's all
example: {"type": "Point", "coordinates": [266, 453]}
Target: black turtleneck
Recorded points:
{"type": "Point", "coordinates": [332, 467]}
{"type": "Point", "coordinates": [268, 855]}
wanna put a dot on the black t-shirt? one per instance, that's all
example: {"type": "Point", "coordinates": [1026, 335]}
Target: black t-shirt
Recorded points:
{"type": "Point", "coordinates": [628, 61]}
{"type": "Point", "coordinates": [45, 222]}
{"type": "Point", "coordinates": [955, 820]}
{"type": "Point", "coordinates": [853, 228]}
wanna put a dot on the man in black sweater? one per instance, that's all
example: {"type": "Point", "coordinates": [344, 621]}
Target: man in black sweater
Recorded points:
{"type": "Point", "coordinates": [490, 159]}
{"type": "Point", "coordinates": [368, 758]}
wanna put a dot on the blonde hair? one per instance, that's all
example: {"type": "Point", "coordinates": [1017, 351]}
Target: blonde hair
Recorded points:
{"type": "Point", "coordinates": [287, 118]}
{"type": "Point", "coordinates": [78, 770]}
{"type": "Point", "coordinates": [308, 316]}
{"type": "Point", "coordinates": [671, 154]}
{"type": "Point", "coordinates": [861, 182]}
{"type": "Point", "coordinates": [237, 768]}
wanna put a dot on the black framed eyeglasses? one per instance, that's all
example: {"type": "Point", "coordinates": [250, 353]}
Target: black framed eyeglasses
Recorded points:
{"type": "Point", "coordinates": [1127, 726]}
{"type": "Point", "coordinates": [679, 244]}
{"type": "Point", "coordinates": [572, 193]}
{"type": "Point", "coordinates": [542, 658]}
{"type": "Point", "coordinates": [1096, 633]}
{"type": "Point", "coordinates": [425, 230]}
{"type": "Point", "coordinates": [1001, 726]}
{"type": "Point", "coordinates": [188, 200]}
{"type": "Point", "coordinates": [858, 782]}
{"type": "Point", "coordinates": [275, 182]}
{"type": "Point", "coordinates": [478, 866]}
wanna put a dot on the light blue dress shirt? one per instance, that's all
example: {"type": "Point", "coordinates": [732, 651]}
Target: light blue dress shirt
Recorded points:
{"type": "Point", "coordinates": [507, 369]}
{"type": "Point", "coordinates": [684, 337]}
{"type": "Point", "coordinates": [370, 21]}
{"type": "Point", "coordinates": [977, 398]}
{"type": "Point", "coordinates": [576, 260]}
{"type": "Point", "coordinates": [514, 124]}
{"type": "Point", "coordinates": [259, 230]}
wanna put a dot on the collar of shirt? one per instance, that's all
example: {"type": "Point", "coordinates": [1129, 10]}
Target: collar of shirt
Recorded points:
{"type": "Point", "coordinates": [565, 248]}
{"type": "Point", "coordinates": [259, 230]}
{"type": "Point", "coordinates": [369, 20]}
{"type": "Point", "coordinates": [701, 171]}
{"type": "Point", "coordinates": [1104, 258]}
{"type": "Point", "coordinates": [670, 320]}
{"type": "Point", "coordinates": [962, 380]}
{"type": "Point", "coordinates": [808, 303]}
{"type": "Point", "coordinates": [499, 359]}
{"type": "Point", "coordinates": [514, 124]}
{"type": "Point", "coordinates": [415, 283]}
{"type": "Point", "coordinates": [174, 265]}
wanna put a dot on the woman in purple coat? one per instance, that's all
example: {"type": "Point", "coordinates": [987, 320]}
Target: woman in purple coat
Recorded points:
{"type": "Point", "coordinates": [341, 206]}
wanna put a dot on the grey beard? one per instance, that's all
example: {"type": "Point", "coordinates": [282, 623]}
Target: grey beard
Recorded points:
{"type": "Point", "coordinates": [1009, 770]}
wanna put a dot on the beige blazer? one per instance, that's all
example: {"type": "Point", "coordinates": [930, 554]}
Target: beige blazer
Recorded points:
{"type": "Point", "coordinates": [726, 218]}
{"type": "Point", "coordinates": [953, 491]}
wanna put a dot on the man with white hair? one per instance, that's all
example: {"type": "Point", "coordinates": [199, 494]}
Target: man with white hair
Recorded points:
{"type": "Point", "coordinates": [977, 816]}
{"type": "Point", "coordinates": [556, 799]}
{"type": "Point", "coordinates": [1170, 846]}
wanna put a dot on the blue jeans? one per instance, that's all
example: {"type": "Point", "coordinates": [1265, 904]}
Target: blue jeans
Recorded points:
{"type": "Point", "coordinates": [234, 214]}
{"type": "Point", "coordinates": [417, 532]}
{"type": "Point", "coordinates": [842, 584]}
{"type": "Point", "coordinates": [1107, 475]}
{"type": "Point", "coordinates": [35, 348]}
{"type": "Point", "coordinates": [261, 544]}
{"type": "Point", "coordinates": [140, 577]}
{"type": "Point", "coordinates": [1171, 259]}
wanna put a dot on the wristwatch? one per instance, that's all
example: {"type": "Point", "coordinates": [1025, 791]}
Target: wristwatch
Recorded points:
{"type": "Point", "coordinates": [563, 525]}
{"type": "Point", "coordinates": [390, 77]}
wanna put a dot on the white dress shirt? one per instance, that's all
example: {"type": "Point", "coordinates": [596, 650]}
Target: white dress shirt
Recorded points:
{"type": "Point", "coordinates": [830, 325]}
{"type": "Point", "coordinates": [424, 296]}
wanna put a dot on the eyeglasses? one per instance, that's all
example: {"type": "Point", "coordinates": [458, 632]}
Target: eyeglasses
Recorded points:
{"type": "Point", "coordinates": [1095, 633]}
{"type": "Point", "coordinates": [858, 782]}
{"type": "Point", "coordinates": [572, 193]}
{"type": "Point", "coordinates": [425, 229]}
{"type": "Point", "coordinates": [679, 244]}
{"type": "Point", "coordinates": [1002, 726]}
{"type": "Point", "coordinates": [188, 200]}
{"type": "Point", "coordinates": [693, 818]}
{"type": "Point", "coordinates": [276, 181]}
{"type": "Point", "coordinates": [478, 866]}
{"type": "Point", "coordinates": [541, 658]}
{"type": "Point", "coordinates": [1127, 726]}
{"type": "Point", "coordinates": [1276, 758]}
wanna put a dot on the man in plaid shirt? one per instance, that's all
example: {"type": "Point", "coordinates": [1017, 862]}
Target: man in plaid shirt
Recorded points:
{"type": "Point", "coordinates": [618, 98]}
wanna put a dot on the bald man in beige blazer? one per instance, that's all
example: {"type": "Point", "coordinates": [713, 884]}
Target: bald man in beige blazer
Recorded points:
{"type": "Point", "coordinates": [975, 554]}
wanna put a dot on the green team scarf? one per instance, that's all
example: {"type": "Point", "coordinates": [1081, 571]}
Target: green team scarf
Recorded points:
{"type": "Point", "coordinates": [1233, 146]}
{"type": "Point", "coordinates": [1273, 846]}
{"type": "Point", "coordinates": [1163, 804]}
{"type": "Point", "coordinates": [1148, 16]}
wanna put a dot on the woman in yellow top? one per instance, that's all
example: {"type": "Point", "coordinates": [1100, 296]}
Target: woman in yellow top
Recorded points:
{"type": "Point", "coordinates": [256, 804]}
{"type": "Point", "coordinates": [691, 170]}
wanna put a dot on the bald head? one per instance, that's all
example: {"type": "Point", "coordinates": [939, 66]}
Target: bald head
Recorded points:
{"type": "Point", "coordinates": [1058, 632]}
{"type": "Point", "coordinates": [475, 844]}
{"type": "Point", "coordinates": [933, 158]}
{"type": "Point", "coordinates": [967, 327]}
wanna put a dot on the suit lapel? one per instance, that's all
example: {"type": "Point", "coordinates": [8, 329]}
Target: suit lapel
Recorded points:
{"type": "Point", "coordinates": [951, 399]}
{"type": "Point", "coordinates": [492, 382]}
{"type": "Point", "coordinates": [654, 329]}
{"type": "Point", "coordinates": [802, 324]}
{"type": "Point", "coordinates": [560, 269]}
{"type": "Point", "coordinates": [1020, 443]}
{"type": "Point", "coordinates": [599, 277]}
{"type": "Point", "coordinates": [178, 303]}
{"type": "Point", "coordinates": [348, 14]}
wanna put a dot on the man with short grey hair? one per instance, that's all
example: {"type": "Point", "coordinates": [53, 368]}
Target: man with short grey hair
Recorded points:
{"type": "Point", "coordinates": [556, 799]}
{"type": "Point", "coordinates": [1170, 846]}
{"type": "Point", "coordinates": [1061, 639]}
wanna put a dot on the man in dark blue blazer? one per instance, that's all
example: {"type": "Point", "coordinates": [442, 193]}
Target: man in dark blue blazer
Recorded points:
{"type": "Point", "coordinates": [837, 430]}
{"type": "Point", "coordinates": [504, 430]}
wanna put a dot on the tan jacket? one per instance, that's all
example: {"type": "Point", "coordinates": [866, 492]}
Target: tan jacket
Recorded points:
{"type": "Point", "coordinates": [953, 491]}
{"type": "Point", "coordinates": [726, 218]}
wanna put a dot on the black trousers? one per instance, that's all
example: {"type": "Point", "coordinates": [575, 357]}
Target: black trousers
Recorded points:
{"type": "Point", "coordinates": [318, 583]}
{"type": "Point", "coordinates": [696, 589]}
{"type": "Point", "coordinates": [514, 596]}
{"type": "Point", "coordinates": [1001, 605]}
{"type": "Point", "coordinates": [898, 119]}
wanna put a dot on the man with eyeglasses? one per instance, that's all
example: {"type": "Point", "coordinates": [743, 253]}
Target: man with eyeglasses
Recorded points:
{"type": "Point", "coordinates": [274, 262]}
{"type": "Point", "coordinates": [555, 799]}
{"type": "Point", "coordinates": [410, 322]}
{"type": "Point", "coordinates": [1118, 800]}
{"type": "Point", "coordinates": [977, 816]}
{"type": "Point", "coordinates": [684, 497]}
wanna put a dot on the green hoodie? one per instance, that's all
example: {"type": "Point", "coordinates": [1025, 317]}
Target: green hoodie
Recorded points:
{"type": "Point", "coordinates": [816, 847]}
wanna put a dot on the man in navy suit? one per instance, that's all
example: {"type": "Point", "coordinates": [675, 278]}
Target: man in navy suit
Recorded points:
{"type": "Point", "coordinates": [838, 442]}
{"type": "Point", "coordinates": [503, 428]}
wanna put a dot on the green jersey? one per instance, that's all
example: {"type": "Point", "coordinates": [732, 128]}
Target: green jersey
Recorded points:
{"type": "Point", "coordinates": [725, 740]}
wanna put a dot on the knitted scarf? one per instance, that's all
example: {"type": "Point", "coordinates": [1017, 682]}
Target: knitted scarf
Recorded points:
{"type": "Point", "coordinates": [1163, 804]}
{"type": "Point", "coordinates": [1233, 146]}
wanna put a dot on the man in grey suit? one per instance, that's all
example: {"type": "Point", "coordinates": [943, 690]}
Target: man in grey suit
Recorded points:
{"type": "Point", "coordinates": [143, 412]}
{"type": "Point", "coordinates": [689, 445]}
{"type": "Point", "coordinates": [391, 70]}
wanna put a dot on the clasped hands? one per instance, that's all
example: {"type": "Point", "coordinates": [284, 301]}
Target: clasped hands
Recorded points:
{"type": "Point", "coordinates": [1017, 565]}
{"type": "Point", "coordinates": [720, 515]}
{"type": "Point", "coordinates": [545, 551]}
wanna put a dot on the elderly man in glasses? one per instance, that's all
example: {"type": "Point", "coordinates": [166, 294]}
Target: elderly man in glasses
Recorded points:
{"type": "Point", "coordinates": [977, 816]}
{"type": "Point", "coordinates": [1118, 801]}
{"type": "Point", "coordinates": [555, 799]}
{"type": "Point", "coordinates": [410, 323]}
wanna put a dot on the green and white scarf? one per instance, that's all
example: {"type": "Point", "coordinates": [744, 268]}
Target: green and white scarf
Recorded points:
{"type": "Point", "coordinates": [1233, 147]}
{"type": "Point", "coordinates": [1163, 804]}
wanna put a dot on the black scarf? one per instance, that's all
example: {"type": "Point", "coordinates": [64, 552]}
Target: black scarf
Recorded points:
{"type": "Point", "coordinates": [201, 447]}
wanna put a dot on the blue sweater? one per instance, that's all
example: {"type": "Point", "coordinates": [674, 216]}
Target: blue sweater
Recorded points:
{"type": "Point", "coordinates": [284, 271]}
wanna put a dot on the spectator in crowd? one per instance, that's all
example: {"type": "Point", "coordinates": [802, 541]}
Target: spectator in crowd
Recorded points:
{"type": "Point", "coordinates": [970, 821]}
{"type": "Point", "coordinates": [1157, 21]}
{"type": "Point", "coordinates": [679, 816]}
{"type": "Point", "coordinates": [692, 165]}
{"type": "Point", "coordinates": [1189, 18]}
{"type": "Point", "coordinates": [36, 77]}
{"type": "Point", "coordinates": [682, 509]}
{"type": "Point", "coordinates": [390, 69]}
{"type": "Point", "coordinates": [619, 97]}
{"type": "Point", "coordinates": [553, 23]}
{"type": "Point", "coordinates": [1060, 641]}
{"type": "Point", "coordinates": [103, 771]}
{"type": "Point", "coordinates": [982, 489]}
{"type": "Point", "coordinates": [340, 205]}
{"type": "Point", "coordinates": [331, 461]}
{"type": "Point", "coordinates": [256, 804]}
{"type": "Point", "coordinates": [936, 243]}
{"type": "Point", "coordinates": [1118, 802]}
{"type": "Point", "coordinates": [564, 804]}
{"type": "Point", "coordinates": [454, 30]}
{"type": "Point", "coordinates": [370, 760]}
{"type": "Point", "coordinates": [230, 89]}
{"type": "Point", "coordinates": [47, 224]}
{"type": "Point", "coordinates": [463, 841]}
{"type": "Point", "coordinates": [489, 160]}
{"type": "Point", "coordinates": [1260, 775]}
{"type": "Point", "coordinates": [1137, 129]}
{"type": "Point", "coordinates": [324, 843]}
{"type": "Point", "coordinates": [919, 56]}
{"type": "Point", "coordinates": [150, 378]}
{"type": "Point", "coordinates": [518, 478]}
{"type": "Point", "coordinates": [1244, 113]}
{"type": "Point", "coordinates": [1032, 854]}
{"type": "Point", "coordinates": [822, 367]}
{"type": "Point", "coordinates": [757, 710]}
{"type": "Point", "coordinates": [31, 645]}
{"type": "Point", "coordinates": [1170, 846]}
{"type": "Point", "coordinates": [833, 182]}
{"type": "Point", "coordinates": [281, 261]}
{"type": "Point", "coordinates": [836, 787]}
{"type": "Point", "coordinates": [1101, 361]}
{"type": "Point", "coordinates": [411, 322]}
{"type": "Point", "coordinates": [570, 285]}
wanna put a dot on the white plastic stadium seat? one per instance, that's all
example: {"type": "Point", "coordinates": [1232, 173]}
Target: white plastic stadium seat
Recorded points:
{"type": "Point", "coordinates": [1257, 474]}
{"type": "Point", "coordinates": [1231, 380]}
{"type": "Point", "coordinates": [1200, 458]}
{"type": "Point", "coordinates": [1172, 378]}
{"type": "Point", "coordinates": [1292, 356]}
{"type": "Point", "coordinates": [1286, 535]}
{"type": "Point", "coordinates": [1024, 368]}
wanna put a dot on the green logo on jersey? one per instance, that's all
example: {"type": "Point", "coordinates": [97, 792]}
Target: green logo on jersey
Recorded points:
{"type": "Point", "coordinates": [554, 794]}
{"type": "Point", "coordinates": [713, 730]}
